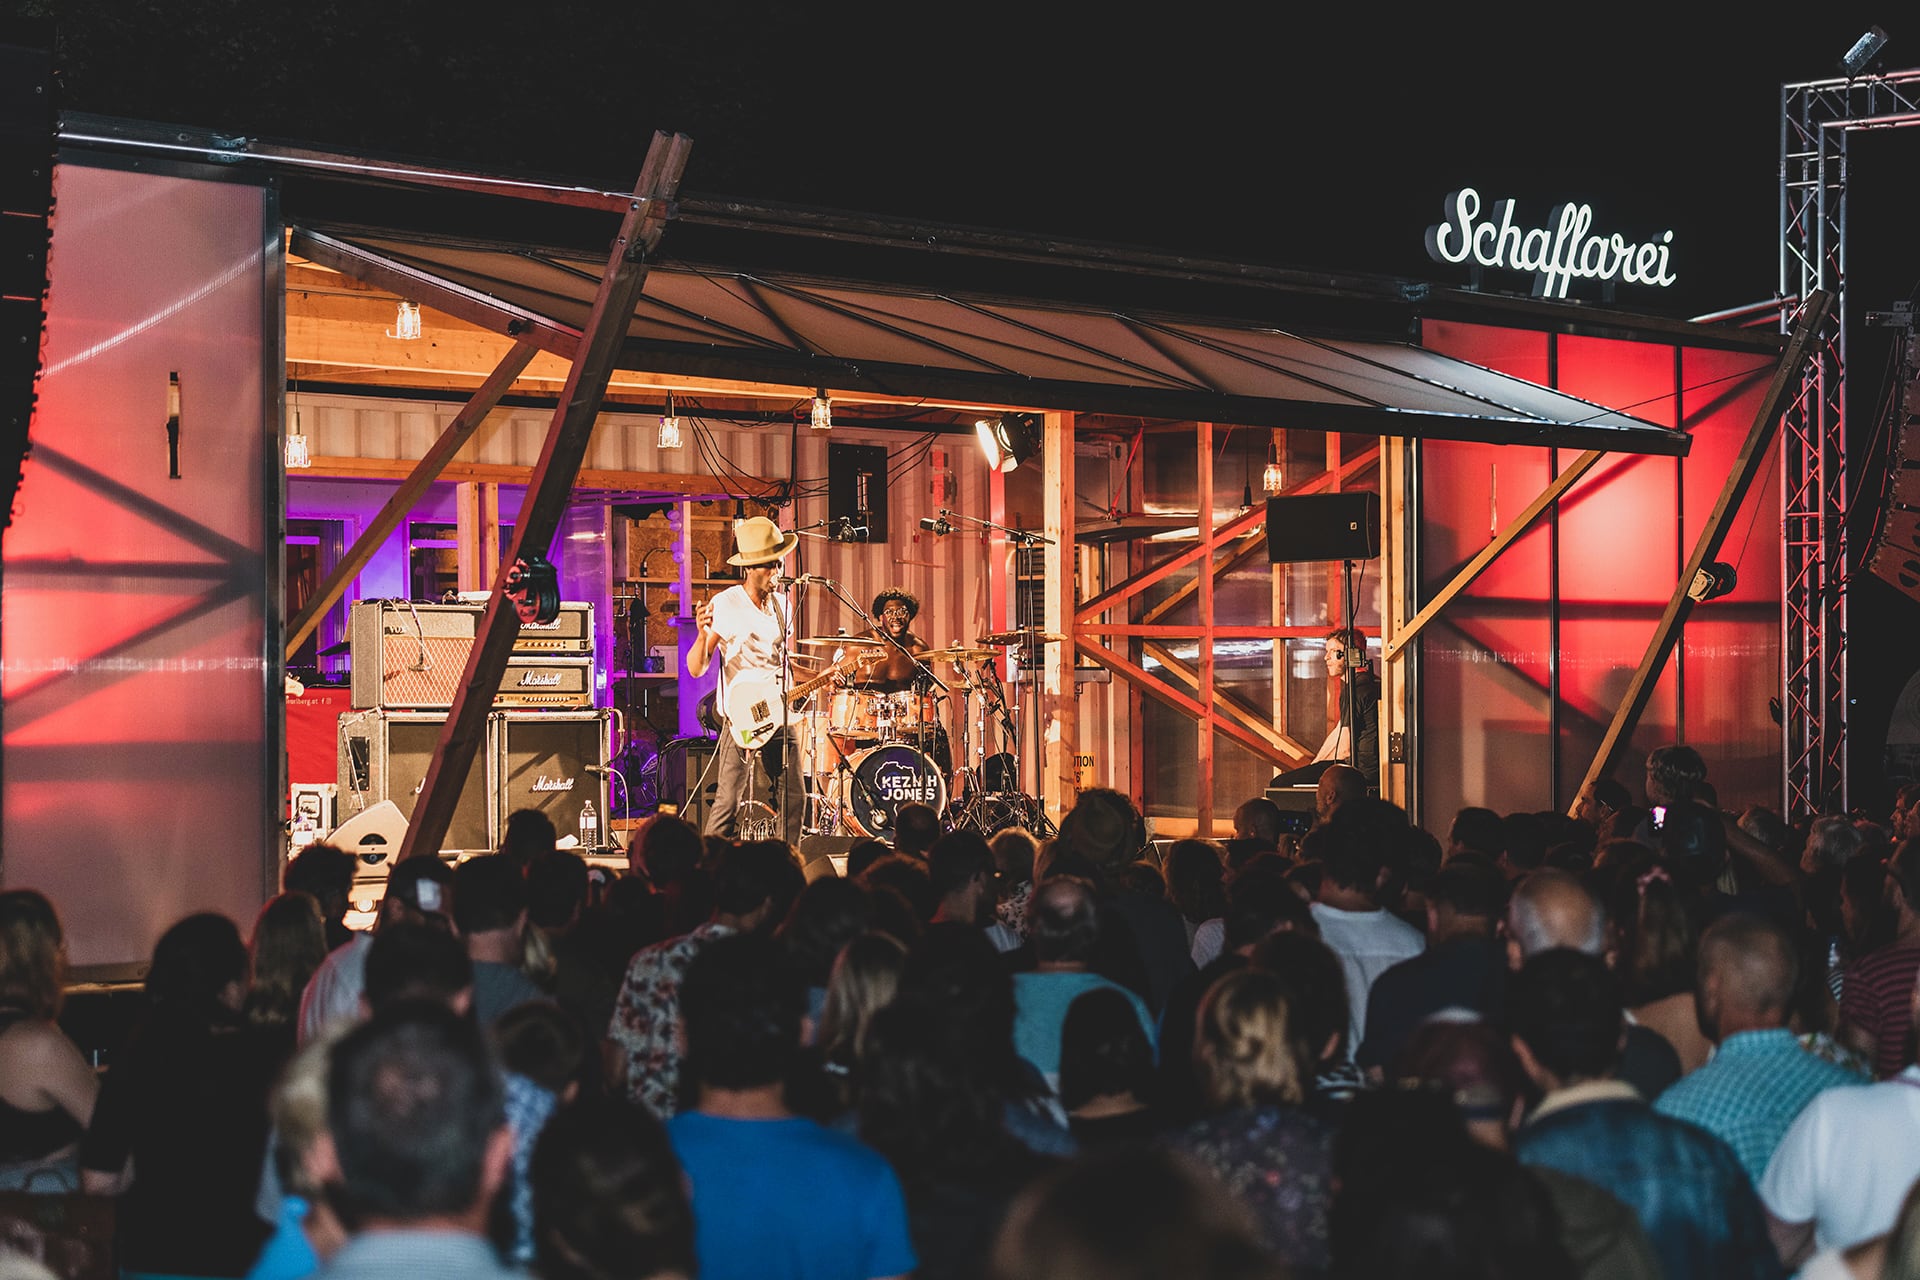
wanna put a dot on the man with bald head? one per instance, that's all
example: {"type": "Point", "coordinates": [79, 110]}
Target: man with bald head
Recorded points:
{"type": "Point", "coordinates": [1759, 1078]}
{"type": "Point", "coordinates": [1339, 784]}
{"type": "Point", "coordinates": [1551, 909]}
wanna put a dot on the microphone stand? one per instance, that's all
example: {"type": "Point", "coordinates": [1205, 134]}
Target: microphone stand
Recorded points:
{"type": "Point", "coordinates": [1028, 650]}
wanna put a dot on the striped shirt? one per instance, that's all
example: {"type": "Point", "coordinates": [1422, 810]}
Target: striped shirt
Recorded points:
{"type": "Point", "coordinates": [1878, 999]}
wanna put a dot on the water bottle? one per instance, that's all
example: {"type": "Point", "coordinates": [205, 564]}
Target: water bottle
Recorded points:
{"type": "Point", "coordinates": [589, 827]}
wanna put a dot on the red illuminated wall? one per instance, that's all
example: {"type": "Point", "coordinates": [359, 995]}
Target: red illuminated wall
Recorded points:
{"type": "Point", "coordinates": [1520, 677]}
{"type": "Point", "coordinates": [141, 765]}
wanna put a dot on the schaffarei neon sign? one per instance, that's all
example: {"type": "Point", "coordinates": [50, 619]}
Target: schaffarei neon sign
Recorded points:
{"type": "Point", "coordinates": [1558, 253]}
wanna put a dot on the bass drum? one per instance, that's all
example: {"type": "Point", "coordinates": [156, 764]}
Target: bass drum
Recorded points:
{"type": "Point", "coordinates": [885, 779]}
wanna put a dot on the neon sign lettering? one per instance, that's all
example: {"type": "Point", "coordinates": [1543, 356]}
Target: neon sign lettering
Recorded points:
{"type": "Point", "coordinates": [1557, 254]}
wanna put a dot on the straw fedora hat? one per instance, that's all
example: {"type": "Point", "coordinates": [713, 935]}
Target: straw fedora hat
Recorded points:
{"type": "Point", "coordinates": [761, 542]}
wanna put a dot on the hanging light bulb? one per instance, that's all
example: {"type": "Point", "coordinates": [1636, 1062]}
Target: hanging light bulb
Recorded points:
{"type": "Point", "coordinates": [297, 455]}
{"type": "Point", "coordinates": [669, 437]}
{"type": "Point", "coordinates": [1272, 478]}
{"type": "Point", "coordinates": [822, 411]}
{"type": "Point", "coordinates": [406, 323]}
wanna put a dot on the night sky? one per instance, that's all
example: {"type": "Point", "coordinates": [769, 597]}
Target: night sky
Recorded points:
{"type": "Point", "coordinates": [1323, 136]}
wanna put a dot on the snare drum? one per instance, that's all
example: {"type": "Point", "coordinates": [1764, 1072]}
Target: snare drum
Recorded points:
{"type": "Point", "coordinates": [886, 778]}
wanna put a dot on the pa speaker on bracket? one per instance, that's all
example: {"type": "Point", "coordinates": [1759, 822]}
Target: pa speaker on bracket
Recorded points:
{"type": "Point", "coordinates": [1323, 526]}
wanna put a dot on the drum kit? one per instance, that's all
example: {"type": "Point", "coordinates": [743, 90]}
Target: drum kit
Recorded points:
{"type": "Point", "coordinates": [868, 753]}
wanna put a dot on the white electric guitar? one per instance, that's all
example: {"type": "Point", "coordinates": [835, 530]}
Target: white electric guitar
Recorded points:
{"type": "Point", "coordinates": [756, 711]}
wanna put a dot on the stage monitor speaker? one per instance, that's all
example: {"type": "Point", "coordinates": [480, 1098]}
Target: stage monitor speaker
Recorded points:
{"type": "Point", "coordinates": [1323, 526]}
{"type": "Point", "coordinates": [384, 756]}
{"type": "Point", "coordinates": [688, 777]}
{"type": "Point", "coordinates": [824, 856]}
{"type": "Point", "coordinates": [552, 761]}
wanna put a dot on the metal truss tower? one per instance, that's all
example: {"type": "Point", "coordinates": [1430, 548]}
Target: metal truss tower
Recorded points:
{"type": "Point", "coordinates": [1816, 120]}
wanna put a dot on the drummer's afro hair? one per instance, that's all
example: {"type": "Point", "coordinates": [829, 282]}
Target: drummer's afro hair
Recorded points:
{"type": "Point", "coordinates": [906, 598]}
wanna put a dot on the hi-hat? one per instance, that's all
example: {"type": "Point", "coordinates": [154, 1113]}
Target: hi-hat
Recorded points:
{"type": "Point", "coordinates": [1026, 635]}
{"type": "Point", "coordinates": [840, 642]}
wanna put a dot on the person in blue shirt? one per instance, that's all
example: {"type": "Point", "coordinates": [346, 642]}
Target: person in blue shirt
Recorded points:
{"type": "Point", "coordinates": [775, 1196]}
{"type": "Point", "coordinates": [1760, 1077]}
{"type": "Point", "coordinates": [1685, 1185]}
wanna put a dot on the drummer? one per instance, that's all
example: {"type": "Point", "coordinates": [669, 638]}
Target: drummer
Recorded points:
{"type": "Point", "coordinates": [894, 610]}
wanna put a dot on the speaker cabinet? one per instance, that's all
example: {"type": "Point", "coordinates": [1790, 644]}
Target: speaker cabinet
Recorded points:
{"type": "Point", "coordinates": [410, 657]}
{"type": "Point", "coordinates": [552, 761]}
{"type": "Point", "coordinates": [688, 777]}
{"type": "Point", "coordinates": [1323, 526]}
{"type": "Point", "coordinates": [384, 756]}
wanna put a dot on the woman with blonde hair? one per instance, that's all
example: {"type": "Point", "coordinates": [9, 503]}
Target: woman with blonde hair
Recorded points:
{"type": "Point", "coordinates": [1275, 1156]}
{"type": "Point", "coordinates": [47, 1090]}
{"type": "Point", "coordinates": [864, 978]}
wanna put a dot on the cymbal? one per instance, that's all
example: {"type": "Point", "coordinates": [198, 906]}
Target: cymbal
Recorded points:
{"type": "Point", "coordinates": [841, 642]}
{"type": "Point", "coordinates": [962, 653]}
{"type": "Point", "coordinates": [1028, 635]}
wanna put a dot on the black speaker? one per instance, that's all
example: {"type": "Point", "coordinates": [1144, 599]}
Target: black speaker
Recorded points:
{"type": "Point", "coordinates": [1323, 526]}
{"type": "Point", "coordinates": [688, 777]}
{"type": "Point", "coordinates": [818, 852]}
{"type": "Point", "coordinates": [384, 756]}
{"type": "Point", "coordinates": [552, 761]}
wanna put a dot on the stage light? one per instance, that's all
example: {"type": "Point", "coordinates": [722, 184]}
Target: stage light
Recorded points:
{"type": "Point", "coordinates": [1008, 440]}
{"type": "Point", "coordinates": [1855, 60]}
{"type": "Point", "coordinates": [406, 323]}
{"type": "Point", "coordinates": [822, 411]}
{"type": "Point", "coordinates": [669, 437]}
{"type": "Point", "coordinates": [1713, 581]}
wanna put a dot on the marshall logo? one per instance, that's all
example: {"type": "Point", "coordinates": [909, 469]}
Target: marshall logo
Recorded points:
{"type": "Point", "coordinates": [540, 680]}
{"type": "Point", "coordinates": [544, 783]}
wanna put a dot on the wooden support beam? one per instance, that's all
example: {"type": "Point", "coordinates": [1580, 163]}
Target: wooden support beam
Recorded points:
{"type": "Point", "coordinates": [553, 479]}
{"type": "Point", "coordinates": [1209, 540]}
{"type": "Point", "coordinates": [477, 525]}
{"type": "Point", "coordinates": [1060, 744]}
{"type": "Point", "coordinates": [419, 475]}
{"type": "Point", "coordinates": [1240, 526]}
{"type": "Point", "coordinates": [1225, 705]}
{"type": "Point", "coordinates": [664, 483]}
{"type": "Point", "coordinates": [1491, 552]}
{"type": "Point", "coordinates": [1746, 466]}
{"type": "Point", "coordinates": [1148, 684]}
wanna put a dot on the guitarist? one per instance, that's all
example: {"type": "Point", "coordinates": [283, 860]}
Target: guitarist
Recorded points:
{"type": "Point", "coordinates": [750, 627]}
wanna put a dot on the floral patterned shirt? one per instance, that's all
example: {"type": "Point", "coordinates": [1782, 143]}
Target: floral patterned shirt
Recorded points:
{"type": "Point", "coordinates": [646, 1018]}
{"type": "Point", "coordinates": [1278, 1162]}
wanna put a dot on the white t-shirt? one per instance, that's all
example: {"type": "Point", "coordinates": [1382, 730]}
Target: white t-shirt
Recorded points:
{"type": "Point", "coordinates": [1847, 1161]}
{"type": "Point", "coordinates": [1368, 944]}
{"type": "Point", "coordinates": [750, 638]}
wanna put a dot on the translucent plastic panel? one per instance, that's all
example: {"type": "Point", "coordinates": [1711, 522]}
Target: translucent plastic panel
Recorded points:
{"type": "Point", "coordinates": [142, 770]}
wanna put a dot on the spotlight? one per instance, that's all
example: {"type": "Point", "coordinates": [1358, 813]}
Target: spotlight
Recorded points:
{"type": "Point", "coordinates": [822, 411]}
{"type": "Point", "coordinates": [1008, 440]}
{"type": "Point", "coordinates": [1713, 581]}
{"type": "Point", "coordinates": [1864, 50]}
{"type": "Point", "coordinates": [669, 437]}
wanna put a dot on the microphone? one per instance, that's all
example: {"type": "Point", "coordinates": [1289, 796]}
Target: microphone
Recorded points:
{"type": "Point", "coordinates": [813, 578]}
{"type": "Point", "coordinates": [939, 526]}
{"type": "Point", "coordinates": [596, 768]}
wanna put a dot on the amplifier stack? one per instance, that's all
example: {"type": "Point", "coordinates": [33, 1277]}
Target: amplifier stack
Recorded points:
{"type": "Point", "coordinates": [547, 746]}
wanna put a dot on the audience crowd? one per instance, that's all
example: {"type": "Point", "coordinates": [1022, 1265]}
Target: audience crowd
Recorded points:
{"type": "Point", "coordinates": [1650, 1039]}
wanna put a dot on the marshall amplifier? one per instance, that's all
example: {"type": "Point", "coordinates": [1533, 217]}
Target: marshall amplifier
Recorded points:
{"type": "Point", "coordinates": [411, 656]}
{"type": "Point", "coordinates": [553, 761]}
{"type": "Point", "coordinates": [384, 756]}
